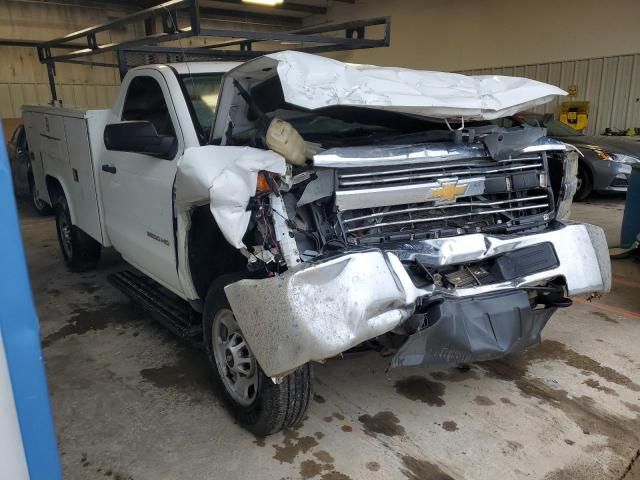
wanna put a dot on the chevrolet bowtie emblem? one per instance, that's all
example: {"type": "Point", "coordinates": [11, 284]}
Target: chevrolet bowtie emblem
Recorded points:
{"type": "Point", "coordinates": [448, 191]}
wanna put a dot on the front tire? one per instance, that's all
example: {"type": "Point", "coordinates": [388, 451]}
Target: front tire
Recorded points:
{"type": "Point", "coordinates": [257, 404]}
{"type": "Point", "coordinates": [79, 250]}
{"type": "Point", "coordinates": [585, 184]}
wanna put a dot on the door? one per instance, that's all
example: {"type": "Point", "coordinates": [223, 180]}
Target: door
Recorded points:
{"type": "Point", "coordinates": [137, 188]}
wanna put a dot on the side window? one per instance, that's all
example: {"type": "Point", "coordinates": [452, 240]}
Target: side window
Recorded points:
{"type": "Point", "coordinates": [202, 91]}
{"type": "Point", "coordinates": [145, 101]}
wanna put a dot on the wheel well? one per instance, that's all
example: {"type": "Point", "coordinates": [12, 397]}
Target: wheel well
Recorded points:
{"type": "Point", "coordinates": [210, 255]}
{"type": "Point", "coordinates": [54, 188]}
{"type": "Point", "coordinates": [587, 168]}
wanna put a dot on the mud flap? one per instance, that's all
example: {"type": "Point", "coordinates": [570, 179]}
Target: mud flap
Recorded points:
{"type": "Point", "coordinates": [474, 329]}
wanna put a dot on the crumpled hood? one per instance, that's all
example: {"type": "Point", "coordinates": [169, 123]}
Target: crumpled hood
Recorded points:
{"type": "Point", "coordinates": [313, 82]}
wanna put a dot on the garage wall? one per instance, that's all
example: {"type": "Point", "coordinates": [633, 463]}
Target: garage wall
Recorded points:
{"type": "Point", "coordinates": [464, 34]}
{"type": "Point", "coordinates": [589, 43]}
{"type": "Point", "coordinates": [611, 84]}
{"type": "Point", "coordinates": [23, 79]}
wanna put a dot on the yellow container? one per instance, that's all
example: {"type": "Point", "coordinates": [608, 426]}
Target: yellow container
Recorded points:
{"type": "Point", "coordinates": [575, 114]}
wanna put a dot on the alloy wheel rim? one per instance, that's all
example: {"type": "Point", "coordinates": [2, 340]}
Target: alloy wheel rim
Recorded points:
{"type": "Point", "coordinates": [65, 235]}
{"type": "Point", "coordinates": [234, 360]}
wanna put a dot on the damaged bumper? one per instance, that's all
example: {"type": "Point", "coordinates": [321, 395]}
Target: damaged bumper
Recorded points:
{"type": "Point", "coordinates": [319, 310]}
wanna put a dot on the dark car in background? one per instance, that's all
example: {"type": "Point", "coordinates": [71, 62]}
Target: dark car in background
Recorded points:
{"type": "Point", "coordinates": [605, 163]}
{"type": "Point", "coordinates": [23, 184]}
{"type": "Point", "coordinates": [19, 159]}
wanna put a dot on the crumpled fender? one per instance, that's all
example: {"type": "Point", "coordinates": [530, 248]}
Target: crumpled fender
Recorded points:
{"type": "Point", "coordinates": [224, 177]}
{"type": "Point", "coordinates": [227, 177]}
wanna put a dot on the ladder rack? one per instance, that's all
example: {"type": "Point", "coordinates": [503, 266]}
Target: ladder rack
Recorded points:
{"type": "Point", "coordinates": [180, 19]}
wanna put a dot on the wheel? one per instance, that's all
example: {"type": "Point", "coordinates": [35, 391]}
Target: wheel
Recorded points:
{"type": "Point", "coordinates": [585, 184]}
{"type": "Point", "coordinates": [40, 206]}
{"type": "Point", "coordinates": [257, 404]}
{"type": "Point", "coordinates": [80, 251]}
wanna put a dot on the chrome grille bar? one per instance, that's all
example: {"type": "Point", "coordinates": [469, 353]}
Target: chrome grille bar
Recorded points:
{"type": "Point", "coordinates": [474, 164]}
{"type": "Point", "coordinates": [447, 217]}
{"type": "Point", "coordinates": [441, 207]}
{"type": "Point", "coordinates": [444, 173]}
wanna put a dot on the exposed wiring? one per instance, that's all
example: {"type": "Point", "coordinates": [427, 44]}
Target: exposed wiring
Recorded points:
{"type": "Point", "coordinates": [294, 226]}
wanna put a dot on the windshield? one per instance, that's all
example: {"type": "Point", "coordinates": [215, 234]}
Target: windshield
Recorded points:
{"type": "Point", "coordinates": [202, 92]}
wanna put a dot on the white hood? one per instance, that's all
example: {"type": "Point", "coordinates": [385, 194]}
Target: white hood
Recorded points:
{"type": "Point", "coordinates": [312, 82]}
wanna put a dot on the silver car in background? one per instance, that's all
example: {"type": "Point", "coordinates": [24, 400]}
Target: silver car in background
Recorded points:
{"type": "Point", "coordinates": [605, 163]}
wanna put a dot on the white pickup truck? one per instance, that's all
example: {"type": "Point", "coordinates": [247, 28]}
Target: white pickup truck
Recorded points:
{"type": "Point", "coordinates": [293, 207]}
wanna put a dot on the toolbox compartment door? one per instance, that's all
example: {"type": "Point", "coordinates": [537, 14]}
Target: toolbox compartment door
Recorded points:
{"type": "Point", "coordinates": [81, 177]}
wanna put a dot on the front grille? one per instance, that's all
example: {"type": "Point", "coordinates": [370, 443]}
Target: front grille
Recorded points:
{"type": "Point", "coordinates": [393, 176]}
{"type": "Point", "coordinates": [500, 196]}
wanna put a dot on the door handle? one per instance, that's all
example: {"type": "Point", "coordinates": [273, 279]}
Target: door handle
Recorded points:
{"type": "Point", "coordinates": [108, 168]}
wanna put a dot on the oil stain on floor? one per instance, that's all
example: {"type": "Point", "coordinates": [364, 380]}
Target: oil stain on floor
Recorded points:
{"type": "Point", "coordinates": [416, 469]}
{"type": "Point", "coordinates": [622, 433]}
{"type": "Point", "coordinates": [516, 366]}
{"type": "Point", "coordinates": [84, 320]}
{"type": "Point", "coordinates": [450, 426]}
{"type": "Point", "coordinates": [384, 423]}
{"type": "Point", "coordinates": [483, 401]}
{"type": "Point", "coordinates": [421, 389]}
{"type": "Point", "coordinates": [189, 374]}
{"type": "Point", "coordinates": [293, 445]}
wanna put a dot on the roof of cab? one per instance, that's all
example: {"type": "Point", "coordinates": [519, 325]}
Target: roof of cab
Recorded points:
{"type": "Point", "coordinates": [194, 68]}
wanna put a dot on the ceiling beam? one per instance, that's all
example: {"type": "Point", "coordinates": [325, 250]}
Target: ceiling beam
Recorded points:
{"type": "Point", "coordinates": [10, 42]}
{"type": "Point", "coordinates": [287, 5]}
{"type": "Point", "coordinates": [282, 20]}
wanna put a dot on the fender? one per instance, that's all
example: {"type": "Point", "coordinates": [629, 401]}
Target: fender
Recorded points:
{"type": "Point", "coordinates": [225, 187]}
{"type": "Point", "coordinates": [54, 182]}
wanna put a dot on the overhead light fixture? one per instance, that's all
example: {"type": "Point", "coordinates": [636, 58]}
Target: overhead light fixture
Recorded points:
{"type": "Point", "coordinates": [266, 3]}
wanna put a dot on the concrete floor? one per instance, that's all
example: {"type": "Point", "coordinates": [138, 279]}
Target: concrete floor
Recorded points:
{"type": "Point", "coordinates": [132, 402]}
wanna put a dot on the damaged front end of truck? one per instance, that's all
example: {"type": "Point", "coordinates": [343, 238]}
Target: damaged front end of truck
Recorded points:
{"type": "Point", "coordinates": [372, 209]}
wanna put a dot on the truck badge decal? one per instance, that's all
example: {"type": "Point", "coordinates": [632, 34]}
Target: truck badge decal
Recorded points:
{"type": "Point", "coordinates": [448, 191]}
{"type": "Point", "coordinates": [157, 238]}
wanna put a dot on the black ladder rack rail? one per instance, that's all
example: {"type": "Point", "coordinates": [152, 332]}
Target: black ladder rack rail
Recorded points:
{"type": "Point", "coordinates": [146, 49]}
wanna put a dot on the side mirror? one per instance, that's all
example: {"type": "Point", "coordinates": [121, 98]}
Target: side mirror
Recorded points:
{"type": "Point", "coordinates": [139, 136]}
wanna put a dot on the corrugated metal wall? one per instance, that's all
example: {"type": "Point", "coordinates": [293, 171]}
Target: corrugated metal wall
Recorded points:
{"type": "Point", "coordinates": [611, 84]}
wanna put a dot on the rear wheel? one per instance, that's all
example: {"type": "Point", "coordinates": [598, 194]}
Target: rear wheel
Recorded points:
{"type": "Point", "coordinates": [40, 206]}
{"type": "Point", "coordinates": [258, 404]}
{"type": "Point", "coordinates": [585, 184]}
{"type": "Point", "coordinates": [80, 251]}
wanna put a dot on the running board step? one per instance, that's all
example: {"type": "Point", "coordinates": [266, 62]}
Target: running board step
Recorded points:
{"type": "Point", "coordinates": [164, 306]}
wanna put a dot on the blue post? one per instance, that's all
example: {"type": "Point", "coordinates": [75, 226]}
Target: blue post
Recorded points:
{"type": "Point", "coordinates": [631, 219]}
{"type": "Point", "coordinates": [21, 335]}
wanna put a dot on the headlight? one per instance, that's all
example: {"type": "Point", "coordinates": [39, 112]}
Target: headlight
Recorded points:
{"type": "Point", "coordinates": [603, 155]}
{"type": "Point", "coordinates": [612, 157]}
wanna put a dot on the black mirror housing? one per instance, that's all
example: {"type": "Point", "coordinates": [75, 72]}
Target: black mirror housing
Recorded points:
{"type": "Point", "coordinates": [139, 136]}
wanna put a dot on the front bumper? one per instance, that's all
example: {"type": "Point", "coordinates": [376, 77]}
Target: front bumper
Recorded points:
{"type": "Point", "coordinates": [610, 176]}
{"type": "Point", "coordinates": [319, 310]}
